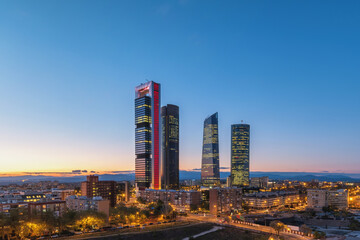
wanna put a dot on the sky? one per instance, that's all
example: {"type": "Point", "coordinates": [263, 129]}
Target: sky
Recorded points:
{"type": "Point", "coordinates": [290, 69]}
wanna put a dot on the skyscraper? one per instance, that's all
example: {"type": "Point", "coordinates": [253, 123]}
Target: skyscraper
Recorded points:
{"type": "Point", "coordinates": [147, 135]}
{"type": "Point", "coordinates": [170, 146]}
{"type": "Point", "coordinates": [240, 154]}
{"type": "Point", "coordinates": [210, 173]}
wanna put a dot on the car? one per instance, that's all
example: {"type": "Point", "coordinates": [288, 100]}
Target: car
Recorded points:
{"type": "Point", "coordinates": [131, 226]}
{"type": "Point", "coordinates": [144, 224]}
{"type": "Point", "coordinates": [120, 227]}
{"type": "Point", "coordinates": [55, 236]}
{"type": "Point", "coordinates": [126, 226]}
{"type": "Point", "coordinates": [151, 223]}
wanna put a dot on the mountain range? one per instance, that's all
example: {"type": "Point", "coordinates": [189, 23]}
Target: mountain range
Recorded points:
{"type": "Point", "coordinates": [190, 174]}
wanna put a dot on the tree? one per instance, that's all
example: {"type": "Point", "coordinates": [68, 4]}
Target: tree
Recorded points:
{"type": "Point", "coordinates": [354, 225]}
{"type": "Point", "coordinates": [67, 220]}
{"type": "Point", "coordinates": [245, 207]}
{"type": "Point", "coordinates": [193, 207]}
{"type": "Point", "coordinates": [305, 229]}
{"type": "Point", "coordinates": [319, 235]}
{"type": "Point", "coordinates": [277, 226]}
{"type": "Point", "coordinates": [205, 205]}
{"type": "Point", "coordinates": [141, 200]}
{"type": "Point", "coordinates": [32, 229]}
{"type": "Point", "coordinates": [89, 220]}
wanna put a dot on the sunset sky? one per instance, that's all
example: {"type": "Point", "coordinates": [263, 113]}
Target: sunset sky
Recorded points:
{"type": "Point", "coordinates": [290, 69]}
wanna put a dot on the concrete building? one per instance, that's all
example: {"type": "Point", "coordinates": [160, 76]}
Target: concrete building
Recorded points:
{"type": "Point", "coordinates": [92, 187]}
{"type": "Point", "coordinates": [82, 203]}
{"type": "Point", "coordinates": [38, 208]}
{"type": "Point", "coordinates": [268, 200]}
{"type": "Point", "coordinates": [223, 200]}
{"type": "Point", "coordinates": [319, 198]}
{"type": "Point", "coordinates": [122, 191]}
{"type": "Point", "coordinates": [175, 197]}
{"type": "Point", "coordinates": [259, 182]}
{"type": "Point", "coordinates": [61, 194]}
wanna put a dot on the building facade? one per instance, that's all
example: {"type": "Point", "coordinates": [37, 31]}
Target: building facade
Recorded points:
{"type": "Point", "coordinates": [317, 199]}
{"type": "Point", "coordinates": [225, 200]}
{"type": "Point", "coordinates": [240, 154]}
{"type": "Point", "coordinates": [170, 146]}
{"type": "Point", "coordinates": [92, 187]}
{"type": "Point", "coordinates": [210, 170]}
{"type": "Point", "coordinates": [174, 197]}
{"type": "Point", "coordinates": [122, 191]}
{"type": "Point", "coordinates": [259, 182]}
{"type": "Point", "coordinates": [147, 136]}
{"type": "Point", "coordinates": [39, 208]}
{"type": "Point", "coordinates": [268, 200]}
{"type": "Point", "coordinates": [83, 203]}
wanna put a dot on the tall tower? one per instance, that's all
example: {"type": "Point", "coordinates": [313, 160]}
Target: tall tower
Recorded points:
{"type": "Point", "coordinates": [210, 173]}
{"type": "Point", "coordinates": [240, 154]}
{"type": "Point", "coordinates": [170, 146]}
{"type": "Point", "coordinates": [147, 135]}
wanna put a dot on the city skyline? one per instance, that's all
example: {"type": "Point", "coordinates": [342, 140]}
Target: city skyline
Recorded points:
{"type": "Point", "coordinates": [68, 73]}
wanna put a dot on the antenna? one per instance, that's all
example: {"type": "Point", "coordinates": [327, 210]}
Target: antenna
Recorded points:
{"type": "Point", "coordinates": [242, 121]}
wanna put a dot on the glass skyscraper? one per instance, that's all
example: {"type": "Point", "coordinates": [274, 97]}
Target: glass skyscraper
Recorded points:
{"type": "Point", "coordinates": [170, 146]}
{"type": "Point", "coordinates": [240, 154]}
{"type": "Point", "coordinates": [147, 135]}
{"type": "Point", "coordinates": [210, 173]}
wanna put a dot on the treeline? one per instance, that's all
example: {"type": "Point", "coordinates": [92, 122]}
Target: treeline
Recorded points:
{"type": "Point", "coordinates": [18, 224]}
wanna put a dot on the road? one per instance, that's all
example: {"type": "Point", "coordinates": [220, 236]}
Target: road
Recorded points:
{"type": "Point", "coordinates": [256, 228]}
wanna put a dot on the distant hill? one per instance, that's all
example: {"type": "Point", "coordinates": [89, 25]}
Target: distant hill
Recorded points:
{"type": "Point", "coordinates": [130, 176]}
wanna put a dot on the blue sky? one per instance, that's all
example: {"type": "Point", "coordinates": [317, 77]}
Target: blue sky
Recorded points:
{"type": "Point", "coordinates": [289, 68]}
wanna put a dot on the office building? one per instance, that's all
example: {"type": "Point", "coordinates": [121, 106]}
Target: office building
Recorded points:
{"type": "Point", "coordinates": [240, 154]}
{"type": "Point", "coordinates": [92, 187]}
{"type": "Point", "coordinates": [210, 173]}
{"type": "Point", "coordinates": [170, 146]}
{"type": "Point", "coordinates": [147, 136]}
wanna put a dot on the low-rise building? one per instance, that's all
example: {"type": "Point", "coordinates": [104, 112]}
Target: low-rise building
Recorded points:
{"type": "Point", "coordinates": [82, 203]}
{"type": "Point", "coordinates": [175, 197]}
{"type": "Point", "coordinates": [259, 182]}
{"type": "Point", "coordinates": [317, 199]}
{"type": "Point", "coordinates": [223, 200]}
{"type": "Point", "coordinates": [267, 200]}
{"type": "Point", "coordinates": [38, 208]}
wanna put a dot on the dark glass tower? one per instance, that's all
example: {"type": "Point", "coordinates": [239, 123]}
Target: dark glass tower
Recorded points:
{"type": "Point", "coordinates": [170, 146]}
{"type": "Point", "coordinates": [147, 135]}
{"type": "Point", "coordinates": [240, 154]}
{"type": "Point", "coordinates": [210, 174]}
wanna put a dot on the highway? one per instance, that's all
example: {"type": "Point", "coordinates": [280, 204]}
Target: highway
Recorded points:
{"type": "Point", "coordinates": [256, 228]}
